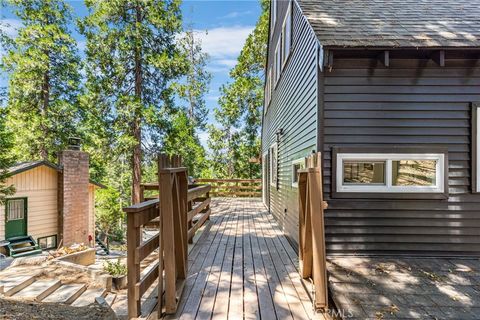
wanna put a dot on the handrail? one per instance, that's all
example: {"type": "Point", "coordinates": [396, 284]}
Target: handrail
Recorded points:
{"type": "Point", "coordinates": [177, 212]}
{"type": "Point", "coordinates": [234, 187]}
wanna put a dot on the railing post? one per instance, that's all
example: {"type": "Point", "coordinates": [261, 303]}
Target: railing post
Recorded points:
{"type": "Point", "coordinates": [133, 269]}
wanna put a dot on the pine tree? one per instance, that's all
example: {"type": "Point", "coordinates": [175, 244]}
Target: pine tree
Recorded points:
{"type": "Point", "coordinates": [43, 67]}
{"type": "Point", "coordinates": [236, 141]}
{"type": "Point", "coordinates": [6, 160]}
{"type": "Point", "coordinates": [197, 79]}
{"type": "Point", "coordinates": [132, 59]}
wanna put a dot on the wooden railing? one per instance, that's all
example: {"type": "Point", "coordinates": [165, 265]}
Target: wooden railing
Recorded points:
{"type": "Point", "coordinates": [178, 212]}
{"type": "Point", "coordinates": [234, 187]}
{"type": "Point", "coordinates": [312, 252]}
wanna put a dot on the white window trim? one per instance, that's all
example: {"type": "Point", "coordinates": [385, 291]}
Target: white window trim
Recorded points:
{"type": "Point", "coordinates": [477, 147]}
{"type": "Point", "coordinates": [278, 62]}
{"type": "Point", "coordinates": [287, 16]}
{"type": "Point", "coordinates": [274, 15]}
{"type": "Point", "coordinates": [388, 158]}
{"type": "Point", "coordinates": [294, 162]}
{"type": "Point", "coordinates": [273, 149]}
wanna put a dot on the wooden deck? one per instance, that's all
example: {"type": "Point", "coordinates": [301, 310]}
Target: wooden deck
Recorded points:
{"type": "Point", "coordinates": [242, 267]}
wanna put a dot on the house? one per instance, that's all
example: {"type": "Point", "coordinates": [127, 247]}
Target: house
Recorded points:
{"type": "Point", "coordinates": [53, 204]}
{"type": "Point", "coordinates": [388, 92]}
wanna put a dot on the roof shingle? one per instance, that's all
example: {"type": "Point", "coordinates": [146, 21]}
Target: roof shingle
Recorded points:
{"type": "Point", "coordinates": [394, 23]}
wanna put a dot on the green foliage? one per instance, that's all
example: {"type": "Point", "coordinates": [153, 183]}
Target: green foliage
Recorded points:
{"type": "Point", "coordinates": [6, 142]}
{"type": "Point", "coordinates": [132, 60]}
{"type": "Point", "coordinates": [236, 140]}
{"type": "Point", "coordinates": [197, 79]}
{"type": "Point", "coordinates": [182, 141]}
{"type": "Point", "coordinates": [115, 269]}
{"type": "Point", "coordinates": [109, 214]}
{"type": "Point", "coordinates": [43, 66]}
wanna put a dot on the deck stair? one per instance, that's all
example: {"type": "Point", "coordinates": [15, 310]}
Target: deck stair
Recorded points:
{"type": "Point", "coordinates": [67, 293]}
{"type": "Point", "coordinates": [88, 296]}
{"type": "Point", "coordinates": [101, 247]}
{"type": "Point", "coordinates": [22, 246]}
{"type": "Point", "coordinates": [38, 290]}
{"type": "Point", "coordinates": [14, 284]}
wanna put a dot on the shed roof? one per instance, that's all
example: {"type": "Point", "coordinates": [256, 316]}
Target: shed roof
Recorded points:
{"type": "Point", "coordinates": [394, 23]}
{"type": "Point", "coordinates": [27, 165]}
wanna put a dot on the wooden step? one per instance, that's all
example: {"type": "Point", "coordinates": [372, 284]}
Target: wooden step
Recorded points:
{"type": "Point", "coordinates": [89, 296]}
{"type": "Point", "coordinates": [38, 290]}
{"type": "Point", "coordinates": [13, 284]}
{"type": "Point", "coordinates": [67, 293]}
{"type": "Point", "coordinates": [110, 298]}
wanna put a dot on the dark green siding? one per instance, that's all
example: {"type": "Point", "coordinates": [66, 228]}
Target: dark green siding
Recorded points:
{"type": "Point", "coordinates": [411, 103]}
{"type": "Point", "coordinates": [294, 109]}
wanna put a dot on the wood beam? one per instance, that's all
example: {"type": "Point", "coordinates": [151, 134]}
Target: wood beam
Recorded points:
{"type": "Point", "coordinates": [384, 58]}
{"type": "Point", "coordinates": [439, 57]}
{"type": "Point", "coordinates": [328, 59]}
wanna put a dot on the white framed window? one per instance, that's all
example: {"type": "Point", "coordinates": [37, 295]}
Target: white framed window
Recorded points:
{"type": "Point", "coordinates": [297, 165]}
{"type": "Point", "coordinates": [390, 172]}
{"type": "Point", "coordinates": [278, 61]}
{"type": "Point", "coordinates": [286, 36]}
{"type": "Point", "coordinates": [274, 14]}
{"type": "Point", "coordinates": [268, 89]}
{"type": "Point", "coordinates": [274, 165]}
{"type": "Point", "coordinates": [49, 242]}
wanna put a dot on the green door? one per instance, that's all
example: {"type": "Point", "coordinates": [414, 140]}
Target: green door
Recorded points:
{"type": "Point", "coordinates": [15, 218]}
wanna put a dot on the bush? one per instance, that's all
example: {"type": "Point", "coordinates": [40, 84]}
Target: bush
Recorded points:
{"type": "Point", "coordinates": [109, 214]}
{"type": "Point", "coordinates": [115, 269]}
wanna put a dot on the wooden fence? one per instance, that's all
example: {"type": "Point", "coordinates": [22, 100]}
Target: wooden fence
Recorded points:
{"type": "Point", "coordinates": [234, 187]}
{"type": "Point", "coordinates": [178, 213]}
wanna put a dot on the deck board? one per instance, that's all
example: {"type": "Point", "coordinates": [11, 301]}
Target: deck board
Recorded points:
{"type": "Point", "coordinates": [243, 268]}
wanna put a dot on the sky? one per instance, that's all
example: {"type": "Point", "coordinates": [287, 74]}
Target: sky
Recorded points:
{"type": "Point", "coordinates": [222, 25]}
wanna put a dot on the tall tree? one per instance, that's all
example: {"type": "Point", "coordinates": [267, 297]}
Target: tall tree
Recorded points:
{"type": "Point", "coordinates": [6, 160]}
{"type": "Point", "coordinates": [131, 59]}
{"type": "Point", "coordinates": [197, 78]}
{"type": "Point", "coordinates": [236, 141]}
{"type": "Point", "coordinates": [43, 66]}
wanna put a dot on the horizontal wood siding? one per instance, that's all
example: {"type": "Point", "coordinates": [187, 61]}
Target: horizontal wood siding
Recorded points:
{"type": "Point", "coordinates": [39, 186]}
{"type": "Point", "coordinates": [294, 109]}
{"type": "Point", "coordinates": [411, 103]}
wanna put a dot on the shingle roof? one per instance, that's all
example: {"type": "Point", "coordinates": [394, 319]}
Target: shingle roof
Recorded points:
{"type": "Point", "coordinates": [27, 165]}
{"type": "Point", "coordinates": [394, 23]}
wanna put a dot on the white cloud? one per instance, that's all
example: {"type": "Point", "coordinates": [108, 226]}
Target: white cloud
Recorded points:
{"type": "Point", "coordinates": [224, 42]}
{"type": "Point", "coordinates": [10, 26]}
{"type": "Point", "coordinates": [236, 14]}
{"type": "Point", "coordinates": [227, 62]}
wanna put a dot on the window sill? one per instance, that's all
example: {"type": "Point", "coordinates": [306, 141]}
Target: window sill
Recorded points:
{"type": "Point", "coordinates": [385, 195]}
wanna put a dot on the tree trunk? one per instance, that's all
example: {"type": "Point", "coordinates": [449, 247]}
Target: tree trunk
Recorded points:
{"type": "Point", "coordinates": [43, 151]}
{"type": "Point", "coordinates": [136, 125]}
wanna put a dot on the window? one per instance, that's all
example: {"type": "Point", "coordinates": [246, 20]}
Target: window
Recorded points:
{"type": "Point", "coordinates": [268, 89]}
{"type": "Point", "coordinates": [475, 147]}
{"type": "Point", "coordinates": [274, 14]}
{"type": "Point", "coordinates": [49, 242]}
{"type": "Point", "coordinates": [273, 166]}
{"type": "Point", "coordinates": [278, 61]}
{"type": "Point", "coordinates": [15, 209]}
{"type": "Point", "coordinates": [390, 172]}
{"type": "Point", "coordinates": [297, 165]}
{"type": "Point", "coordinates": [286, 36]}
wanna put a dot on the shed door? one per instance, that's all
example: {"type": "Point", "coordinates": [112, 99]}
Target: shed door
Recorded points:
{"type": "Point", "coordinates": [15, 218]}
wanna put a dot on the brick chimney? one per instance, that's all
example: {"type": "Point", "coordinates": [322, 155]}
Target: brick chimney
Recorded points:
{"type": "Point", "coordinates": [73, 195]}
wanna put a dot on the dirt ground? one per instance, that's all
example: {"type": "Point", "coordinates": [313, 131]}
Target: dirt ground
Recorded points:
{"type": "Point", "coordinates": [16, 310]}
